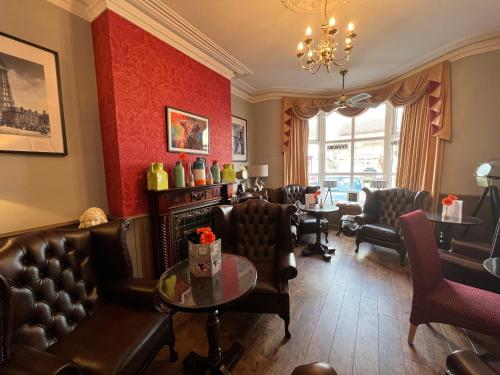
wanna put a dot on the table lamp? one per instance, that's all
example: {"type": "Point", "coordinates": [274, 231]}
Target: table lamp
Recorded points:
{"type": "Point", "coordinates": [378, 184]}
{"type": "Point", "coordinates": [258, 171]}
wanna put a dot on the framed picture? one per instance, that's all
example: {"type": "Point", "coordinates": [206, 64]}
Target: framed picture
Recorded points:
{"type": "Point", "coordinates": [240, 145]}
{"type": "Point", "coordinates": [187, 132]}
{"type": "Point", "coordinates": [31, 111]}
{"type": "Point", "coordinates": [353, 196]}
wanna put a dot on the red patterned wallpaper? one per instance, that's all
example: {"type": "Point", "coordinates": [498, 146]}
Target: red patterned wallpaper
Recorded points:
{"type": "Point", "coordinates": [137, 76]}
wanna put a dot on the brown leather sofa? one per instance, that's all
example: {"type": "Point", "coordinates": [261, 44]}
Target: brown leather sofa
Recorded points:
{"type": "Point", "coordinates": [379, 222]}
{"type": "Point", "coordinates": [464, 262]}
{"type": "Point", "coordinates": [465, 362]}
{"type": "Point", "coordinates": [260, 231]}
{"type": "Point", "coordinates": [69, 305]}
{"type": "Point", "coordinates": [304, 223]}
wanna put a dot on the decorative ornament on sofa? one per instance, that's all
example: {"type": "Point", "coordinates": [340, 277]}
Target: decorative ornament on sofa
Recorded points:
{"type": "Point", "coordinates": [187, 132]}
{"type": "Point", "coordinates": [31, 113]}
{"type": "Point", "coordinates": [91, 217]}
{"type": "Point", "coordinates": [240, 144]}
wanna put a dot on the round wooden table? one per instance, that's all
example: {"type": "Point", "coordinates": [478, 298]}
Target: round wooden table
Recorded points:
{"type": "Point", "coordinates": [317, 247]}
{"type": "Point", "coordinates": [182, 291]}
{"type": "Point", "coordinates": [492, 265]}
{"type": "Point", "coordinates": [445, 226]}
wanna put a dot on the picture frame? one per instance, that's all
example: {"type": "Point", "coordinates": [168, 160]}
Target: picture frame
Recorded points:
{"type": "Point", "coordinates": [187, 132]}
{"type": "Point", "coordinates": [352, 196]}
{"type": "Point", "coordinates": [239, 142]}
{"type": "Point", "coordinates": [31, 107]}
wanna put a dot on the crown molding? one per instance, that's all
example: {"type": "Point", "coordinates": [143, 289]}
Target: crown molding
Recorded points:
{"type": "Point", "coordinates": [76, 7]}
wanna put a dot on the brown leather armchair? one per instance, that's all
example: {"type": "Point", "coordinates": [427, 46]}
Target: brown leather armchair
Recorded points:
{"type": "Point", "coordinates": [304, 223]}
{"type": "Point", "coordinates": [69, 305]}
{"type": "Point", "coordinates": [379, 222]}
{"type": "Point", "coordinates": [466, 362]}
{"type": "Point", "coordinates": [464, 262]}
{"type": "Point", "coordinates": [260, 231]}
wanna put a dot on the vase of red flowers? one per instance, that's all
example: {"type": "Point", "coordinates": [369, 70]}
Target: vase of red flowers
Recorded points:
{"type": "Point", "coordinates": [205, 255]}
{"type": "Point", "coordinates": [447, 202]}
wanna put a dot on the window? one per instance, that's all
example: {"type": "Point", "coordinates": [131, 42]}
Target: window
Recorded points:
{"type": "Point", "coordinates": [354, 151]}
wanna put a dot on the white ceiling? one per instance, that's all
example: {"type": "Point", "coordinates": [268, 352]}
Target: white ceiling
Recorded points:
{"type": "Point", "coordinates": [394, 36]}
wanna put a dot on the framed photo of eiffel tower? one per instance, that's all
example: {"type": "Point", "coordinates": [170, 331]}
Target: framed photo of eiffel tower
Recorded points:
{"type": "Point", "coordinates": [31, 112]}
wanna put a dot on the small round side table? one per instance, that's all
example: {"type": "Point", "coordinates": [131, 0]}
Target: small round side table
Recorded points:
{"type": "Point", "coordinates": [317, 247]}
{"type": "Point", "coordinates": [184, 292]}
{"type": "Point", "coordinates": [445, 226]}
{"type": "Point", "coordinates": [492, 265]}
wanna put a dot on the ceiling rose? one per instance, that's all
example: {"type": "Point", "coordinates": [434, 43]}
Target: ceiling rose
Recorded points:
{"type": "Point", "coordinates": [312, 6]}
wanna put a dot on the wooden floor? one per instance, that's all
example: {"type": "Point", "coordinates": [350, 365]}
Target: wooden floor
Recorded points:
{"type": "Point", "coordinates": [352, 312]}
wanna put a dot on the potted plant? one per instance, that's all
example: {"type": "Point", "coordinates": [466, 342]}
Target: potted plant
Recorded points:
{"type": "Point", "coordinates": [204, 252]}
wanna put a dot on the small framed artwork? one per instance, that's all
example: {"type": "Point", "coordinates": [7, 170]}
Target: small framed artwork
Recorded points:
{"type": "Point", "coordinates": [352, 196]}
{"type": "Point", "coordinates": [187, 132]}
{"type": "Point", "coordinates": [239, 132]}
{"type": "Point", "coordinates": [31, 110]}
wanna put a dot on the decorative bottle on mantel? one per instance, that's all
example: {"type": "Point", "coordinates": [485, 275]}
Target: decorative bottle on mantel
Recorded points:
{"type": "Point", "coordinates": [180, 179]}
{"type": "Point", "coordinates": [215, 172]}
{"type": "Point", "coordinates": [157, 177]}
{"type": "Point", "coordinates": [210, 179]}
{"type": "Point", "coordinates": [189, 177]}
{"type": "Point", "coordinates": [200, 177]}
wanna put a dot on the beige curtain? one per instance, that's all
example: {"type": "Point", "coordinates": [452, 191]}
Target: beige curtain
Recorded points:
{"type": "Point", "coordinates": [426, 94]}
{"type": "Point", "coordinates": [295, 159]}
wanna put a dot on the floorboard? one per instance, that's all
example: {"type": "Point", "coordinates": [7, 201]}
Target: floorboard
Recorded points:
{"type": "Point", "coordinates": [352, 312]}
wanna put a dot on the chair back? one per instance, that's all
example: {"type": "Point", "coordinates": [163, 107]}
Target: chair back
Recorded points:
{"type": "Point", "coordinates": [387, 205]}
{"type": "Point", "coordinates": [425, 264]}
{"type": "Point", "coordinates": [49, 279]}
{"type": "Point", "coordinates": [293, 193]}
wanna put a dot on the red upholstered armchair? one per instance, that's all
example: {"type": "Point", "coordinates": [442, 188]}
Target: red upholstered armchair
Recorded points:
{"type": "Point", "coordinates": [260, 231]}
{"type": "Point", "coordinates": [436, 299]}
{"type": "Point", "coordinates": [69, 305]}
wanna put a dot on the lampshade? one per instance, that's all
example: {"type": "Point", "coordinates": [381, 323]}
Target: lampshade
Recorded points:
{"type": "Point", "coordinates": [330, 184]}
{"type": "Point", "coordinates": [258, 170]}
{"type": "Point", "coordinates": [378, 184]}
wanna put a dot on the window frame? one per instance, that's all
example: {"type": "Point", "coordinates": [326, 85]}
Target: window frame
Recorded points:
{"type": "Point", "coordinates": [390, 135]}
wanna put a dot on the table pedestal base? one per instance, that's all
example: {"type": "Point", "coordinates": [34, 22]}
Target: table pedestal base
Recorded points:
{"type": "Point", "coordinates": [228, 359]}
{"type": "Point", "coordinates": [217, 362]}
{"type": "Point", "coordinates": [319, 248]}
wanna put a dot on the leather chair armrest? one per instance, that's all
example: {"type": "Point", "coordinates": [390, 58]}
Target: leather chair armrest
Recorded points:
{"type": "Point", "coordinates": [468, 362]}
{"type": "Point", "coordinates": [288, 267]}
{"type": "Point", "coordinates": [25, 360]}
{"type": "Point", "coordinates": [365, 219]}
{"type": "Point", "coordinates": [136, 292]}
{"type": "Point", "coordinates": [475, 250]}
{"type": "Point", "coordinates": [113, 261]}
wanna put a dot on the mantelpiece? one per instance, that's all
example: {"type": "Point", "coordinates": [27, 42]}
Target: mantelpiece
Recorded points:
{"type": "Point", "coordinates": [177, 212]}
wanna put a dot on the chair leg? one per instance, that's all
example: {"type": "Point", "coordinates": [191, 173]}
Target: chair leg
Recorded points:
{"type": "Point", "coordinates": [402, 260]}
{"type": "Point", "coordinates": [286, 318]}
{"type": "Point", "coordinates": [326, 235]}
{"type": "Point", "coordinates": [357, 246]}
{"type": "Point", "coordinates": [411, 334]}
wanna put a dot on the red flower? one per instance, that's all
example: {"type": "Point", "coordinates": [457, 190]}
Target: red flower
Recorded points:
{"type": "Point", "coordinates": [203, 230]}
{"type": "Point", "coordinates": [447, 201]}
{"type": "Point", "coordinates": [182, 156]}
{"type": "Point", "coordinates": [454, 197]}
{"type": "Point", "coordinates": [207, 237]}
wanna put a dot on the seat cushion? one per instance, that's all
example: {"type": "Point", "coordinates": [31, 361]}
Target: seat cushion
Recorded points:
{"type": "Point", "coordinates": [116, 340]}
{"type": "Point", "coordinates": [465, 306]}
{"type": "Point", "coordinates": [267, 280]}
{"type": "Point", "coordinates": [381, 232]}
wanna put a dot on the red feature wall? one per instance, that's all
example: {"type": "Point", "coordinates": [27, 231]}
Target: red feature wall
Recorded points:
{"type": "Point", "coordinates": [137, 76]}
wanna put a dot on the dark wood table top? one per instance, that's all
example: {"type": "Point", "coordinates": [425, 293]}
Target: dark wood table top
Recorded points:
{"type": "Point", "coordinates": [183, 291]}
{"type": "Point", "coordinates": [466, 220]}
{"type": "Point", "coordinates": [492, 265]}
{"type": "Point", "coordinates": [318, 210]}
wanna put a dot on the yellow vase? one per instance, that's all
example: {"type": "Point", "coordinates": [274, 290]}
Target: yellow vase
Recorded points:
{"type": "Point", "coordinates": [157, 177]}
{"type": "Point", "coordinates": [228, 173]}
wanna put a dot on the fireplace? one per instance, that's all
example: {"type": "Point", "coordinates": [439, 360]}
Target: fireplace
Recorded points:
{"type": "Point", "coordinates": [177, 212]}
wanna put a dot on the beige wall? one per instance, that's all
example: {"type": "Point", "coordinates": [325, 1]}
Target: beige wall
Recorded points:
{"type": "Point", "coordinates": [476, 121]}
{"type": "Point", "coordinates": [267, 140]}
{"type": "Point", "coordinates": [35, 190]}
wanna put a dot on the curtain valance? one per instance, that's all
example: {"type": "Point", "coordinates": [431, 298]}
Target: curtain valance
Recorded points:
{"type": "Point", "coordinates": [434, 82]}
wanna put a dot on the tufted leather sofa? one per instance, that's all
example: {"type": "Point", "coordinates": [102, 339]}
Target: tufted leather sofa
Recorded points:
{"type": "Point", "coordinates": [303, 223]}
{"type": "Point", "coordinates": [379, 222]}
{"type": "Point", "coordinates": [260, 231]}
{"type": "Point", "coordinates": [69, 305]}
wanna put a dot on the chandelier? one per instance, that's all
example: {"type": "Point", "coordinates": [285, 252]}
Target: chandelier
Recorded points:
{"type": "Point", "coordinates": [313, 55]}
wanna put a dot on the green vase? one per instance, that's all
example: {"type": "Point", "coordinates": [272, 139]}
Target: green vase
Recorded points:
{"type": "Point", "coordinates": [215, 172]}
{"type": "Point", "coordinates": [180, 179]}
{"type": "Point", "coordinates": [157, 177]}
